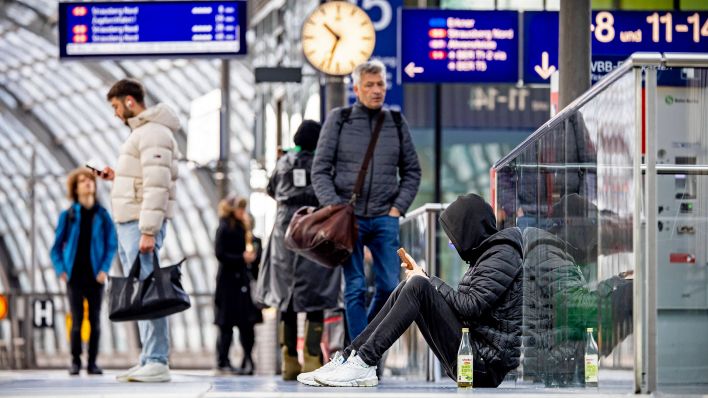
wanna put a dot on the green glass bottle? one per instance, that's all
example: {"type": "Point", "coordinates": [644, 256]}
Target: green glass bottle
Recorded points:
{"type": "Point", "coordinates": [465, 361]}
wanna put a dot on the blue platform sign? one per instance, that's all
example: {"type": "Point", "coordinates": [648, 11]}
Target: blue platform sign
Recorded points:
{"type": "Point", "coordinates": [615, 36]}
{"type": "Point", "coordinates": [459, 46]}
{"type": "Point", "coordinates": [113, 30]}
{"type": "Point", "coordinates": [383, 16]}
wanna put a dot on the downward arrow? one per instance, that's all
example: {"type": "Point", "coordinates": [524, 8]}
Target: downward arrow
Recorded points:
{"type": "Point", "coordinates": [544, 70]}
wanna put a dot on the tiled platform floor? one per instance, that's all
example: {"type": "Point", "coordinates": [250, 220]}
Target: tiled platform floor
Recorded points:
{"type": "Point", "coordinates": [193, 384]}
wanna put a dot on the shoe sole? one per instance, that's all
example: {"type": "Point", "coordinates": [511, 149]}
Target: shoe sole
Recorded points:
{"type": "Point", "coordinates": [311, 383]}
{"type": "Point", "coordinates": [371, 382]}
{"type": "Point", "coordinates": [149, 379]}
{"type": "Point", "coordinates": [123, 378]}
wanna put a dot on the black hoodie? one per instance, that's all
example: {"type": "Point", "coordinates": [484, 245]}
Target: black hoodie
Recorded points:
{"type": "Point", "coordinates": [489, 295]}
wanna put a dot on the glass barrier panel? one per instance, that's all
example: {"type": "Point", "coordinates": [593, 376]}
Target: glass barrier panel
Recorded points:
{"type": "Point", "coordinates": [681, 144]}
{"type": "Point", "coordinates": [570, 193]}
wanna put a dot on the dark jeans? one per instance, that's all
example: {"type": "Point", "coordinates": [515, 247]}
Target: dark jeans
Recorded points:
{"type": "Point", "coordinates": [93, 294]}
{"type": "Point", "coordinates": [226, 336]}
{"type": "Point", "coordinates": [416, 300]}
{"type": "Point", "coordinates": [380, 235]}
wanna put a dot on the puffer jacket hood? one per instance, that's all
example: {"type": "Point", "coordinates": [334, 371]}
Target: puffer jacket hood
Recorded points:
{"type": "Point", "coordinates": [160, 113]}
{"type": "Point", "coordinates": [468, 222]}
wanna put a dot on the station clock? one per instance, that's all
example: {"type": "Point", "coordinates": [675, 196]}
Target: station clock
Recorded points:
{"type": "Point", "coordinates": [337, 37]}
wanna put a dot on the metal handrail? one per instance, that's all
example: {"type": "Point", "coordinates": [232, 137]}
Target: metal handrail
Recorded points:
{"type": "Point", "coordinates": [636, 60]}
{"type": "Point", "coordinates": [422, 210]}
{"type": "Point", "coordinates": [662, 169]}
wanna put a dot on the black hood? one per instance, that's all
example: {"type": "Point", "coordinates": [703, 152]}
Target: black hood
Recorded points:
{"type": "Point", "coordinates": [468, 222]}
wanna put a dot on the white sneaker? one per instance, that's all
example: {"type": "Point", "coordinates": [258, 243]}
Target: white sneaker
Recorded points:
{"type": "Point", "coordinates": [123, 377]}
{"type": "Point", "coordinates": [152, 372]}
{"type": "Point", "coordinates": [353, 373]}
{"type": "Point", "coordinates": [309, 377]}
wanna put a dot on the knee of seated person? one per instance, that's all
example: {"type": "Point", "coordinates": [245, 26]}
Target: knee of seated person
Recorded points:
{"type": "Point", "coordinates": [417, 283]}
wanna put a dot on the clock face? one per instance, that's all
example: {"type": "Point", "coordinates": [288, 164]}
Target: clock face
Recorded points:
{"type": "Point", "coordinates": [337, 37]}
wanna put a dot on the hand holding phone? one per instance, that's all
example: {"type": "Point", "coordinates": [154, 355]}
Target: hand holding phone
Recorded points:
{"type": "Point", "coordinates": [93, 166]}
{"type": "Point", "coordinates": [106, 173]}
{"type": "Point", "coordinates": [404, 258]}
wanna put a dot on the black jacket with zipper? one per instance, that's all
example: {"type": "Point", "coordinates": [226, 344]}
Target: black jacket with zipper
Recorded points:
{"type": "Point", "coordinates": [488, 298]}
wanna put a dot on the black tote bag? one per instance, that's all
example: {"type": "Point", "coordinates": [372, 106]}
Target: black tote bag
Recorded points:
{"type": "Point", "coordinates": [159, 295]}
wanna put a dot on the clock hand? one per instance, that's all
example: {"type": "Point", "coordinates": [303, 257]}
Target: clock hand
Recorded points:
{"type": "Point", "coordinates": [336, 36]}
{"type": "Point", "coordinates": [331, 53]}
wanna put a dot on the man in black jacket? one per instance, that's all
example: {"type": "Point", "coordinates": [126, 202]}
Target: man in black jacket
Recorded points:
{"type": "Point", "coordinates": [488, 302]}
{"type": "Point", "coordinates": [389, 187]}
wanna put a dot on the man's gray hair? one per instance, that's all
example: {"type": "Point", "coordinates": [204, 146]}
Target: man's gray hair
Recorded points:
{"type": "Point", "coordinates": [370, 67]}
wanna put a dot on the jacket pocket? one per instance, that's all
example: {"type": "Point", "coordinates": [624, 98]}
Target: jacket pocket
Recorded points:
{"type": "Point", "coordinates": [124, 187]}
{"type": "Point", "coordinates": [138, 190]}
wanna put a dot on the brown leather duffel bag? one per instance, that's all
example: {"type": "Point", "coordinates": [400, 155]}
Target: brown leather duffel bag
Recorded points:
{"type": "Point", "coordinates": [327, 235]}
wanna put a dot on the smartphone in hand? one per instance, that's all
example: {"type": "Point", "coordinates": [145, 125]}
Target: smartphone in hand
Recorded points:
{"type": "Point", "coordinates": [93, 166]}
{"type": "Point", "coordinates": [402, 254]}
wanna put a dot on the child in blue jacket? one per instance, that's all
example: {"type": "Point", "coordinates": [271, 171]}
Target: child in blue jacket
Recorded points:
{"type": "Point", "coordinates": [82, 254]}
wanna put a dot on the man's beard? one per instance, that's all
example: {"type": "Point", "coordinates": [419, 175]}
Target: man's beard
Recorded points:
{"type": "Point", "coordinates": [127, 114]}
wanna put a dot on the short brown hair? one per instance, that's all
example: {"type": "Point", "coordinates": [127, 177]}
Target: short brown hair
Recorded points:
{"type": "Point", "coordinates": [73, 180]}
{"type": "Point", "coordinates": [127, 87]}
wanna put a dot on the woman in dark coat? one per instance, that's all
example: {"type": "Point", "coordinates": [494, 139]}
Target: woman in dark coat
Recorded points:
{"type": "Point", "coordinates": [294, 284]}
{"type": "Point", "coordinates": [232, 300]}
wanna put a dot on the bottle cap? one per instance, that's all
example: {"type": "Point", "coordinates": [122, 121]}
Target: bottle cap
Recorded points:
{"type": "Point", "coordinates": [590, 330]}
{"type": "Point", "coordinates": [465, 330]}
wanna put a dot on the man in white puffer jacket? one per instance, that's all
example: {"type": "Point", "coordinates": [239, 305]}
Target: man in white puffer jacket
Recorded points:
{"type": "Point", "coordinates": [143, 198]}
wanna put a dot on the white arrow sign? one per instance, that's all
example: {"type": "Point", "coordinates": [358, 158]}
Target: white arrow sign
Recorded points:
{"type": "Point", "coordinates": [544, 70]}
{"type": "Point", "coordinates": [411, 69]}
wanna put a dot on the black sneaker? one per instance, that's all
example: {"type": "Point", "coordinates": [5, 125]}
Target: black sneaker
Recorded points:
{"type": "Point", "coordinates": [93, 369]}
{"type": "Point", "coordinates": [226, 370]}
{"type": "Point", "coordinates": [74, 369]}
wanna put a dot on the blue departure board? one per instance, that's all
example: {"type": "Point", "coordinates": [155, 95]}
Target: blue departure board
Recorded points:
{"type": "Point", "coordinates": [459, 46]}
{"type": "Point", "coordinates": [615, 35]}
{"type": "Point", "coordinates": [152, 29]}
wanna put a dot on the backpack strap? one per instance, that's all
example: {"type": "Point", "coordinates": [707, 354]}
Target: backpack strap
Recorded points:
{"type": "Point", "coordinates": [344, 115]}
{"type": "Point", "coordinates": [398, 120]}
{"type": "Point", "coordinates": [396, 115]}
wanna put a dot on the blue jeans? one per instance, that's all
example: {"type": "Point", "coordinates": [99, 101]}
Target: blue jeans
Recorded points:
{"type": "Point", "coordinates": [154, 334]}
{"type": "Point", "coordinates": [380, 235]}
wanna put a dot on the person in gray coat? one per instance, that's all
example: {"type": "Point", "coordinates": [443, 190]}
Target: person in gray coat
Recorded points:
{"type": "Point", "coordinates": [389, 188]}
{"type": "Point", "coordinates": [291, 282]}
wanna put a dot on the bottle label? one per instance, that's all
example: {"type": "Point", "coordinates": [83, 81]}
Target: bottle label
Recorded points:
{"type": "Point", "coordinates": [591, 368]}
{"type": "Point", "coordinates": [464, 369]}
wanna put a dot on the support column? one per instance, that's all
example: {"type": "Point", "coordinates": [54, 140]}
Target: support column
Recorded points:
{"type": "Point", "coordinates": [573, 50]}
{"type": "Point", "coordinates": [222, 167]}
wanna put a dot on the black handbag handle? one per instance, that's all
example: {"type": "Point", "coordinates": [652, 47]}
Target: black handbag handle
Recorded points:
{"type": "Point", "coordinates": [135, 269]}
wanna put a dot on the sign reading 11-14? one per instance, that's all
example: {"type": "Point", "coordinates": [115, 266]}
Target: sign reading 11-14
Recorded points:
{"type": "Point", "coordinates": [458, 46]}
{"type": "Point", "coordinates": [615, 36]}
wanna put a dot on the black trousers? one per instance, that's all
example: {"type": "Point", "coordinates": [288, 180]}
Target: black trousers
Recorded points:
{"type": "Point", "coordinates": [289, 318]}
{"type": "Point", "coordinates": [416, 300]}
{"type": "Point", "coordinates": [93, 293]}
{"type": "Point", "coordinates": [247, 337]}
